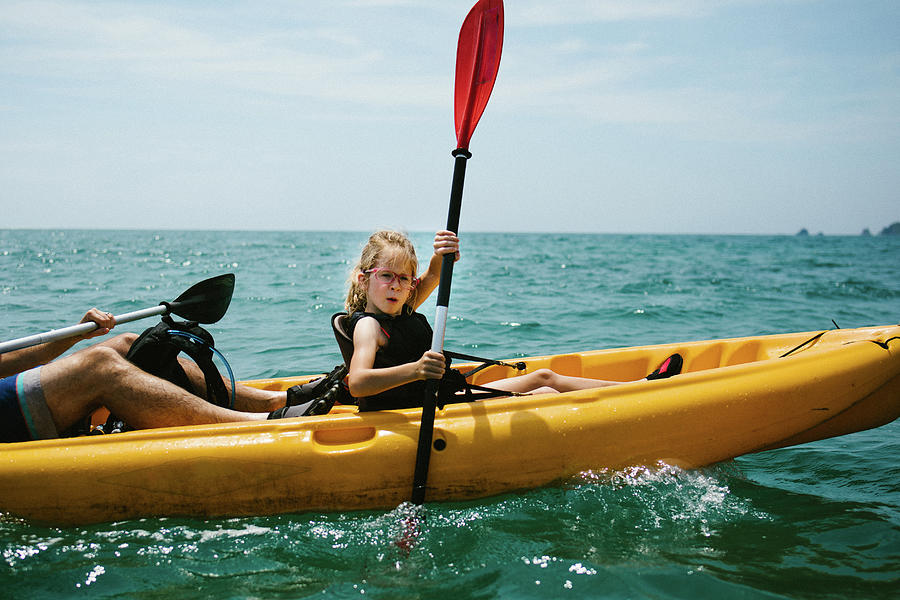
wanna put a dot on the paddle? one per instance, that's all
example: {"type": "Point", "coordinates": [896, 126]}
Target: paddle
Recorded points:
{"type": "Point", "coordinates": [477, 61]}
{"type": "Point", "coordinates": [204, 302]}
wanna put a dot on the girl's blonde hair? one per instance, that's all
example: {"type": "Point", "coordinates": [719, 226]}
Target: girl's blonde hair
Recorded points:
{"type": "Point", "coordinates": [384, 245]}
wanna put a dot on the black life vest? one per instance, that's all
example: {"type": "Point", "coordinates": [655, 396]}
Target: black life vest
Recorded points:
{"type": "Point", "coordinates": [409, 337]}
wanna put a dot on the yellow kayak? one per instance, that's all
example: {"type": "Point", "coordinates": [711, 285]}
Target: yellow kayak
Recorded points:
{"type": "Point", "coordinates": [735, 396]}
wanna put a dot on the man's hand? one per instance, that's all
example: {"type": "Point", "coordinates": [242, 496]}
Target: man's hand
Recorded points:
{"type": "Point", "coordinates": [104, 320]}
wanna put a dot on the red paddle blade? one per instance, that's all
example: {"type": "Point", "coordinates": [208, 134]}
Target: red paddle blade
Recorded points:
{"type": "Point", "coordinates": [477, 62]}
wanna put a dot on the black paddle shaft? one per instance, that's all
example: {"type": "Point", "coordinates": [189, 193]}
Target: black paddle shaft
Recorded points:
{"type": "Point", "coordinates": [456, 192]}
{"type": "Point", "coordinates": [429, 405]}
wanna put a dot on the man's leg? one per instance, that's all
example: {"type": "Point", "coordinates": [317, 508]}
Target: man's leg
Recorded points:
{"type": "Point", "coordinates": [121, 343]}
{"type": "Point", "coordinates": [247, 398]}
{"type": "Point", "coordinates": [78, 384]}
{"type": "Point", "coordinates": [253, 399]}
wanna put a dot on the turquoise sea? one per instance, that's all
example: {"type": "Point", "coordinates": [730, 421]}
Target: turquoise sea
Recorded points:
{"type": "Point", "coordinates": [815, 521]}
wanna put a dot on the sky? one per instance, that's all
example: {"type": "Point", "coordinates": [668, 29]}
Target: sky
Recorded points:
{"type": "Point", "coordinates": [637, 116]}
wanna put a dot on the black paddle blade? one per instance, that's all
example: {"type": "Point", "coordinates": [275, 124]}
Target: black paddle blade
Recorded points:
{"type": "Point", "coordinates": [205, 302]}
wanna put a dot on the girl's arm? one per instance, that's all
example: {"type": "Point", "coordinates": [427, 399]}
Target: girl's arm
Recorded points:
{"type": "Point", "coordinates": [18, 361]}
{"type": "Point", "coordinates": [445, 242]}
{"type": "Point", "coordinates": [364, 380]}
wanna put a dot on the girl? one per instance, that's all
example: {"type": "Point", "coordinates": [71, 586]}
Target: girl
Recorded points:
{"type": "Point", "coordinates": [391, 342]}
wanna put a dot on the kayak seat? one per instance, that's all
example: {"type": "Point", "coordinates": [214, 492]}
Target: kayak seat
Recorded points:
{"type": "Point", "coordinates": [345, 342]}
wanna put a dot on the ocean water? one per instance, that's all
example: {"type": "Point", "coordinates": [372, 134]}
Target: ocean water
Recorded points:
{"type": "Point", "coordinates": [820, 520]}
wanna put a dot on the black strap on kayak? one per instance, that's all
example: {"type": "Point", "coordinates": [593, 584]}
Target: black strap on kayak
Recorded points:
{"type": "Point", "coordinates": [485, 362]}
{"type": "Point", "coordinates": [809, 341]}
{"type": "Point", "coordinates": [455, 382]}
{"type": "Point", "coordinates": [883, 344]}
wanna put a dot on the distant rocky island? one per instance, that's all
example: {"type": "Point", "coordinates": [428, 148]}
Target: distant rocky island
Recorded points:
{"type": "Point", "coordinates": [892, 229]}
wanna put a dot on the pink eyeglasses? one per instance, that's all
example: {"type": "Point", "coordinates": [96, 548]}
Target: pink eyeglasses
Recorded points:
{"type": "Point", "coordinates": [387, 277]}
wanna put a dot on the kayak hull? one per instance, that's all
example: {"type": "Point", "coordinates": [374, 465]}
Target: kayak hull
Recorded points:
{"type": "Point", "coordinates": [735, 397]}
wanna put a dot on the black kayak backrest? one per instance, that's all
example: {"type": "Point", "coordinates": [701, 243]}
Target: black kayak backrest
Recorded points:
{"type": "Point", "coordinates": [345, 342]}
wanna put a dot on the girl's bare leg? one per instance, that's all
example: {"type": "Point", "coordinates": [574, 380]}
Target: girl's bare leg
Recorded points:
{"type": "Point", "coordinates": [545, 380]}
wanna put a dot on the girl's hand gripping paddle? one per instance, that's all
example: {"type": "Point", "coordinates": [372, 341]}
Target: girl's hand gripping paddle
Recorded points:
{"type": "Point", "coordinates": [477, 62]}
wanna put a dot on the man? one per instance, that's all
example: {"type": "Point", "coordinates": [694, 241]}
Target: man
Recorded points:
{"type": "Point", "coordinates": [40, 397]}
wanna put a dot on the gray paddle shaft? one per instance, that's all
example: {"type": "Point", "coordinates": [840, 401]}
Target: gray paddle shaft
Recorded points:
{"type": "Point", "coordinates": [76, 330]}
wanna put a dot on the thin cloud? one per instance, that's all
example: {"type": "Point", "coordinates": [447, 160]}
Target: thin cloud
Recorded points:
{"type": "Point", "coordinates": [94, 44]}
{"type": "Point", "coordinates": [571, 12]}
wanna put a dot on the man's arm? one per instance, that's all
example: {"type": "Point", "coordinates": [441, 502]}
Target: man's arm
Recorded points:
{"type": "Point", "coordinates": [28, 358]}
